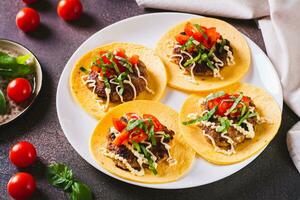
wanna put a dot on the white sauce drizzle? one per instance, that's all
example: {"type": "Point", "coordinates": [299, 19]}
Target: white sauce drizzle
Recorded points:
{"type": "Point", "coordinates": [133, 87]}
{"type": "Point", "coordinates": [142, 77]}
{"type": "Point", "coordinates": [230, 59]}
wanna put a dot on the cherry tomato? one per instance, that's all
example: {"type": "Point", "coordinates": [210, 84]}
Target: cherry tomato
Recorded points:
{"type": "Point", "coordinates": [28, 19]}
{"type": "Point", "coordinates": [69, 9]}
{"type": "Point", "coordinates": [134, 59]}
{"type": "Point", "coordinates": [119, 124]}
{"type": "Point", "coordinates": [182, 39]}
{"type": "Point", "coordinates": [29, 1]}
{"type": "Point", "coordinates": [122, 138]}
{"type": "Point", "coordinates": [21, 186]}
{"type": "Point", "coordinates": [19, 90]}
{"type": "Point", "coordinates": [22, 154]}
{"type": "Point", "coordinates": [157, 125]}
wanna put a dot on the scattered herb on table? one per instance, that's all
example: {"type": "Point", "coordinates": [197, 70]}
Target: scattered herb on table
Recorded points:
{"type": "Point", "coordinates": [61, 176]}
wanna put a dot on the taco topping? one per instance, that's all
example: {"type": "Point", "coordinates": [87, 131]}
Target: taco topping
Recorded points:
{"type": "Point", "coordinates": [115, 77]}
{"type": "Point", "coordinates": [227, 120]}
{"type": "Point", "coordinates": [138, 142]}
{"type": "Point", "coordinates": [201, 51]}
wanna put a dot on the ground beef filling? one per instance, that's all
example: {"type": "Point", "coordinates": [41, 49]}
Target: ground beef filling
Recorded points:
{"type": "Point", "coordinates": [158, 150]}
{"type": "Point", "coordinates": [234, 134]}
{"type": "Point", "coordinates": [128, 94]}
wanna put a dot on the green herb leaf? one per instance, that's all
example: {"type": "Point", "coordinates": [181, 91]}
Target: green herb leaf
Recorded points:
{"type": "Point", "coordinates": [224, 125]}
{"type": "Point", "coordinates": [151, 135]}
{"type": "Point", "coordinates": [81, 191]}
{"type": "Point", "coordinates": [106, 82]}
{"type": "Point", "coordinates": [23, 59]}
{"type": "Point", "coordinates": [59, 175]}
{"type": "Point", "coordinates": [3, 107]}
{"type": "Point", "coordinates": [125, 63]}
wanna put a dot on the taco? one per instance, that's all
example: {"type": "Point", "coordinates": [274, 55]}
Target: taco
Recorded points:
{"type": "Point", "coordinates": [140, 141]}
{"type": "Point", "coordinates": [203, 54]}
{"type": "Point", "coordinates": [231, 125]}
{"type": "Point", "coordinates": [117, 73]}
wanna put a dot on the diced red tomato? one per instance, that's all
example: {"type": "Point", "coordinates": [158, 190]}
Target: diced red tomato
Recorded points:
{"type": "Point", "coordinates": [131, 116]}
{"type": "Point", "coordinates": [189, 29]}
{"type": "Point", "coordinates": [134, 59]}
{"type": "Point", "coordinates": [119, 124]}
{"type": "Point", "coordinates": [105, 60]}
{"type": "Point", "coordinates": [198, 36]}
{"type": "Point", "coordinates": [121, 67]}
{"type": "Point", "coordinates": [122, 138]}
{"type": "Point", "coordinates": [96, 69]}
{"type": "Point", "coordinates": [108, 73]}
{"type": "Point", "coordinates": [102, 52]}
{"type": "Point", "coordinates": [182, 39]}
{"type": "Point", "coordinates": [120, 52]}
{"type": "Point", "coordinates": [157, 125]}
{"type": "Point", "coordinates": [223, 107]}
{"type": "Point", "coordinates": [138, 135]}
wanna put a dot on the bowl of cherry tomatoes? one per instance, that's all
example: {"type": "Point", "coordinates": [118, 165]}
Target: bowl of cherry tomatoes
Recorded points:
{"type": "Point", "coordinates": [20, 80]}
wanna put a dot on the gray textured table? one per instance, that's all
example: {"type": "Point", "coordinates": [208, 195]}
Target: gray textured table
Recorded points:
{"type": "Point", "coordinates": [271, 176]}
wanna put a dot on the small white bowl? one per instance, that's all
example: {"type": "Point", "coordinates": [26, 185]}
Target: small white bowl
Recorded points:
{"type": "Point", "coordinates": [21, 50]}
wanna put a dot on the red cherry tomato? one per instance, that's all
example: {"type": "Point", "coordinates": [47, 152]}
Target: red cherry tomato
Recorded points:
{"type": "Point", "coordinates": [29, 1]}
{"type": "Point", "coordinates": [19, 90]}
{"type": "Point", "coordinates": [119, 124]}
{"type": "Point", "coordinates": [28, 19]}
{"type": "Point", "coordinates": [22, 154]}
{"type": "Point", "coordinates": [69, 9]}
{"type": "Point", "coordinates": [21, 186]}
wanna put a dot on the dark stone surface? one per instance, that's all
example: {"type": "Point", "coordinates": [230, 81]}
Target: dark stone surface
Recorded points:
{"type": "Point", "coordinates": [271, 176]}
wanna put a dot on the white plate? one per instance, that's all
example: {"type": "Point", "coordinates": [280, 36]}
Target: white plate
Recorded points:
{"type": "Point", "coordinates": [147, 29]}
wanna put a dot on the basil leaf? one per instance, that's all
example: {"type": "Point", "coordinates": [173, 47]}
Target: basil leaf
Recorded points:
{"type": "Point", "coordinates": [214, 96]}
{"type": "Point", "coordinates": [3, 107]}
{"type": "Point", "coordinates": [59, 175]}
{"type": "Point", "coordinates": [81, 191]}
{"type": "Point", "coordinates": [23, 59]}
{"type": "Point", "coordinates": [236, 102]}
{"type": "Point", "coordinates": [133, 123]}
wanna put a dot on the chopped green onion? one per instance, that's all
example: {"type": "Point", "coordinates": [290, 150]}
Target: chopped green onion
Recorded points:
{"type": "Point", "coordinates": [150, 161]}
{"type": "Point", "coordinates": [125, 63]}
{"type": "Point", "coordinates": [84, 70]}
{"type": "Point", "coordinates": [224, 125]}
{"type": "Point", "coordinates": [198, 27]}
{"type": "Point", "coordinates": [106, 82]}
{"type": "Point", "coordinates": [151, 135]}
{"type": "Point", "coordinates": [252, 114]}
{"type": "Point", "coordinates": [206, 117]}
{"type": "Point", "coordinates": [136, 146]}
{"type": "Point", "coordinates": [134, 123]}
{"type": "Point", "coordinates": [192, 60]}
{"type": "Point", "coordinates": [214, 96]}
{"type": "Point", "coordinates": [244, 109]}
{"type": "Point", "coordinates": [244, 117]}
